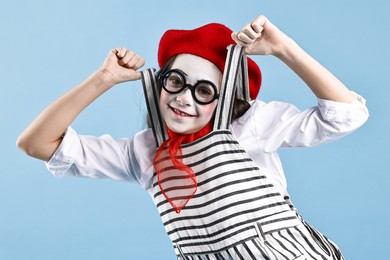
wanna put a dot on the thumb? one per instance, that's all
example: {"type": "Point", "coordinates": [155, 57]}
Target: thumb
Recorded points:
{"type": "Point", "coordinates": [136, 75]}
{"type": "Point", "coordinates": [234, 37]}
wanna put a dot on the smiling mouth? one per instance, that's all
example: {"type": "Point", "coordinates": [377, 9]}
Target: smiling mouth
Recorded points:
{"type": "Point", "coordinates": [180, 113]}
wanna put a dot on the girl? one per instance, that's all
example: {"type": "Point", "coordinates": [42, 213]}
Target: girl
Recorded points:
{"type": "Point", "coordinates": [218, 184]}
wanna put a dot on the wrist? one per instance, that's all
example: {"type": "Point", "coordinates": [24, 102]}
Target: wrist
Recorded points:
{"type": "Point", "coordinates": [103, 79]}
{"type": "Point", "coordinates": [286, 49]}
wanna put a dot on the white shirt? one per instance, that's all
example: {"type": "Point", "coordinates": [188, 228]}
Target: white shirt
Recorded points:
{"type": "Point", "coordinates": [261, 131]}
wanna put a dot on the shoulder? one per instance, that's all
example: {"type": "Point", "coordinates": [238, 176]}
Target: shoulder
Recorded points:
{"type": "Point", "coordinates": [143, 146]}
{"type": "Point", "coordinates": [145, 136]}
{"type": "Point", "coordinates": [266, 110]}
{"type": "Point", "coordinates": [263, 119]}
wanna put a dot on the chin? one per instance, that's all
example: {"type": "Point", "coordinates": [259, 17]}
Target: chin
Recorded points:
{"type": "Point", "coordinates": [182, 130]}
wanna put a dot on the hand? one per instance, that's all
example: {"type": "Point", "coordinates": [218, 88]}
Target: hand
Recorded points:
{"type": "Point", "coordinates": [121, 65]}
{"type": "Point", "coordinates": [260, 37]}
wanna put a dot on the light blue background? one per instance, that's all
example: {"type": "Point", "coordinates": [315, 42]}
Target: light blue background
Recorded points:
{"type": "Point", "coordinates": [48, 47]}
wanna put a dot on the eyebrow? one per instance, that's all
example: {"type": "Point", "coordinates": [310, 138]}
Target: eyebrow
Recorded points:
{"type": "Point", "coordinates": [187, 76]}
{"type": "Point", "coordinates": [181, 71]}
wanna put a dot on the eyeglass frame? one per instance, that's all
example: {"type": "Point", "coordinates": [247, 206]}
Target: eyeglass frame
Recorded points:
{"type": "Point", "coordinates": [162, 75]}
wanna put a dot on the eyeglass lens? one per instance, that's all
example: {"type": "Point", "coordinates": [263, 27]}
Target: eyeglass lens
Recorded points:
{"type": "Point", "coordinates": [203, 91]}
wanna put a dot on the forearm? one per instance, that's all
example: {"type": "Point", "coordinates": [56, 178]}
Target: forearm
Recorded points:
{"type": "Point", "coordinates": [42, 137]}
{"type": "Point", "coordinates": [261, 37]}
{"type": "Point", "coordinates": [322, 83]}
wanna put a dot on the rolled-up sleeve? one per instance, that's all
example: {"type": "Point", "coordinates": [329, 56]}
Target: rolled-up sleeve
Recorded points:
{"type": "Point", "coordinates": [65, 155]}
{"type": "Point", "coordinates": [352, 114]}
{"type": "Point", "coordinates": [282, 125]}
{"type": "Point", "coordinates": [94, 157]}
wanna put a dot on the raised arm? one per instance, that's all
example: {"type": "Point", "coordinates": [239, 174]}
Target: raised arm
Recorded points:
{"type": "Point", "coordinates": [262, 37]}
{"type": "Point", "coordinates": [42, 137]}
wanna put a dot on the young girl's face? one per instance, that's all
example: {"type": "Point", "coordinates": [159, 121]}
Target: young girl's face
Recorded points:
{"type": "Point", "coordinates": [181, 112]}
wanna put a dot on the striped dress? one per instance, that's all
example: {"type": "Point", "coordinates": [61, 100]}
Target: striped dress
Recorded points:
{"type": "Point", "coordinates": [236, 212]}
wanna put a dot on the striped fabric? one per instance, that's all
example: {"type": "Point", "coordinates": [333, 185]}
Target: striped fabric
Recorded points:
{"type": "Point", "coordinates": [242, 81]}
{"type": "Point", "coordinates": [224, 109]}
{"type": "Point", "coordinates": [152, 98]}
{"type": "Point", "coordinates": [236, 212]}
{"type": "Point", "coordinates": [232, 195]}
{"type": "Point", "coordinates": [234, 83]}
{"type": "Point", "coordinates": [287, 244]}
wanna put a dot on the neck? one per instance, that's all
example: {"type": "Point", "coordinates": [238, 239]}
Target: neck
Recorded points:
{"type": "Point", "coordinates": [188, 138]}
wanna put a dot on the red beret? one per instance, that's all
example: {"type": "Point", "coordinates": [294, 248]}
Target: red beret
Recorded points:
{"type": "Point", "coordinates": [209, 42]}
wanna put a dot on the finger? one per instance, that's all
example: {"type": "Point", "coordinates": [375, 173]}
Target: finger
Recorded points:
{"type": "Point", "coordinates": [256, 27]}
{"type": "Point", "coordinates": [243, 37]}
{"type": "Point", "coordinates": [134, 60]}
{"type": "Point", "coordinates": [139, 64]}
{"type": "Point", "coordinates": [126, 58]}
{"type": "Point", "coordinates": [259, 23]}
{"type": "Point", "coordinates": [249, 31]}
{"type": "Point", "coordinates": [121, 52]}
{"type": "Point", "coordinates": [137, 75]}
{"type": "Point", "coordinates": [238, 41]}
{"type": "Point", "coordinates": [115, 51]}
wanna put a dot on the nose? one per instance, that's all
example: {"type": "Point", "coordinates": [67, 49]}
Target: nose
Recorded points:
{"type": "Point", "coordinates": [184, 98]}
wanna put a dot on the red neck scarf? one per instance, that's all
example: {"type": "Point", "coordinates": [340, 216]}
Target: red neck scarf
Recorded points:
{"type": "Point", "coordinates": [176, 180]}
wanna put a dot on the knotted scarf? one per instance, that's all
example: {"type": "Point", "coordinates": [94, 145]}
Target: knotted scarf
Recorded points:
{"type": "Point", "coordinates": [177, 181]}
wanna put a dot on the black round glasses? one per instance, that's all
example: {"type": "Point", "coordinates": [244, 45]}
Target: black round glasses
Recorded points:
{"type": "Point", "coordinates": [203, 92]}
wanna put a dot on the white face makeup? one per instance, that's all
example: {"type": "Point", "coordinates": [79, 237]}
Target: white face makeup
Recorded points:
{"type": "Point", "coordinates": [180, 111]}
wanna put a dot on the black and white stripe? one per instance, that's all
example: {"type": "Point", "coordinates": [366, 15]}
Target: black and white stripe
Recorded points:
{"type": "Point", "coordinates": [232, 195]}
{"type": "Point", "coordinates": [242, 91]}
{"type": "Point", "coordinates": [236, 212]}
{"type": "Point", "coordinates": [288, 244]}
{"type": "Point", "coordinates": [235, 75]}
{"type": "Point", "coordinates": [152, 100]}
{"type": "Point", "coordinates": [228, 87]}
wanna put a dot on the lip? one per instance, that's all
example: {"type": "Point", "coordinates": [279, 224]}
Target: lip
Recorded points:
{"type": "Point", "coordinates": [180, 113]}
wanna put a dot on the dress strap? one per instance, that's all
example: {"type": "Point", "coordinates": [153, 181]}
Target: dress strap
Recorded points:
{"type": "Point", "coordinates": [152, 98]}
{"type": "Point", "coordinates": [234, 82]}
{"type": "Point", "coordinates": [242, 80]}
